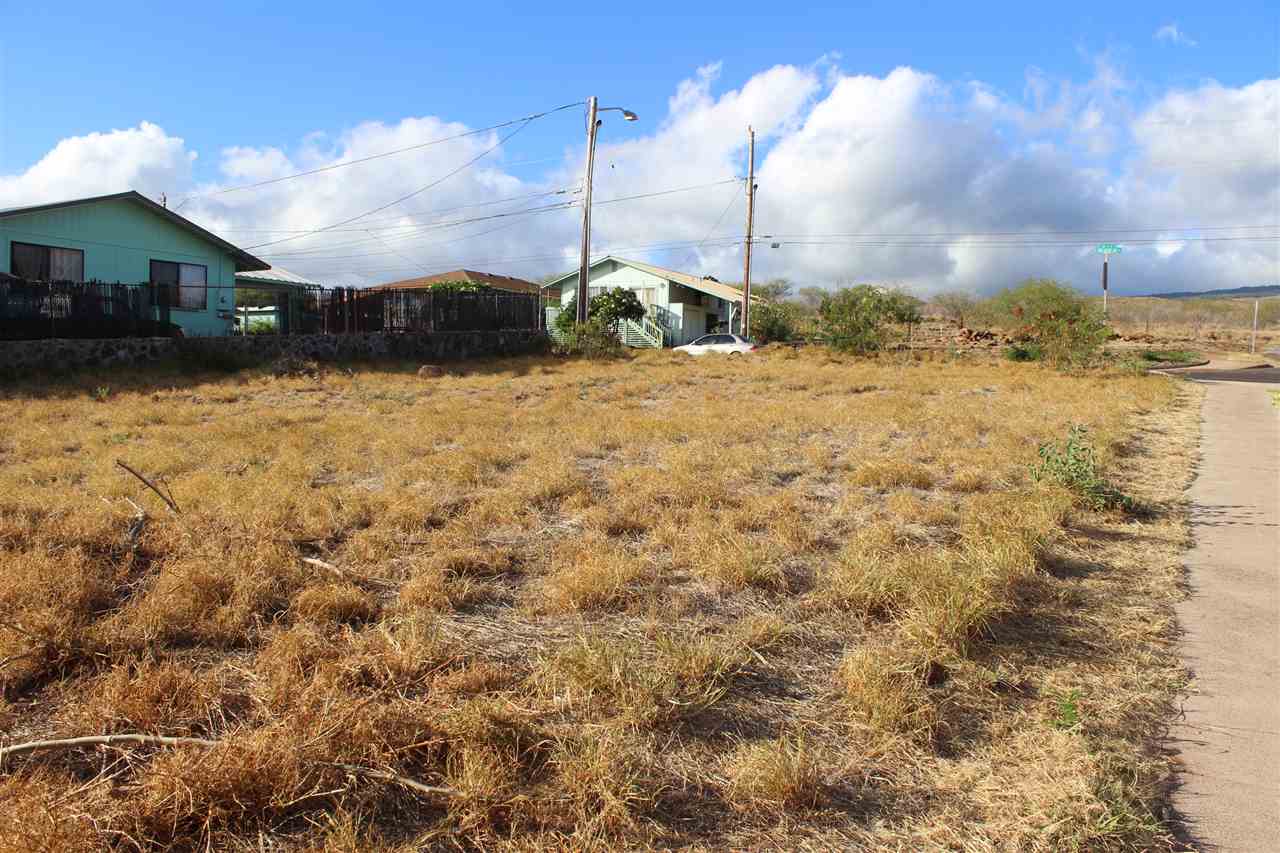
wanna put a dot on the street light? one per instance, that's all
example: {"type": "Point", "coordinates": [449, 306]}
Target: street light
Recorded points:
{"type": "Point", "coordinates": [593, 122]}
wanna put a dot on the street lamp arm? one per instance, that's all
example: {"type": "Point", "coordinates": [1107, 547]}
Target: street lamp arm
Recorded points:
{"type": "Point", "coordinates": [626, 114]}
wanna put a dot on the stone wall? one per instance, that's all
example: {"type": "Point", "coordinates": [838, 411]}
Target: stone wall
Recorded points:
{"type": "Point", "coordinates": [23, 357]}
{"type": "Point", "coordinates": [19, 358]}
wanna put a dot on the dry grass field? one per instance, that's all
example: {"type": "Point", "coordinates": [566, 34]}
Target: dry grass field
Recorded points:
{"type": "Point", "coordinates": [1209, 324]}
{"type": "Point", "coordinates": [794, 601]}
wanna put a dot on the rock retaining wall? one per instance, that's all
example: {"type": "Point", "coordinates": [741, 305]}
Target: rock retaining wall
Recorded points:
{"type": "Point", "coordinates": [23, 357]}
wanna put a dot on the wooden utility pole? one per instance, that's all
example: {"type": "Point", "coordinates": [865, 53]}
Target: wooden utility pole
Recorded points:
{"type": "Point", "coordinates": [584, 270]}
{"type": "Point", "coordinates": [751, 210]}
{"type": "Point", "coordinates": [1253, 337]}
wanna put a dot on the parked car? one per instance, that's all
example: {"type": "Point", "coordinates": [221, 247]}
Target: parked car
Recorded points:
{"type": "Point", "coordinates": [728, 344]}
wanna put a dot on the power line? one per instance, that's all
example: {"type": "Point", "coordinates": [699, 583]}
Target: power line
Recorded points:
{"type": "Point", "coordinates": [1046, 233]}
{"type": "Point", "coordinates": [602, 252]}
{"type": "Point", "coordinates": [417, 229]}
{"type": "Point", "coordinates": [406, 196]}
{"type": "Point", "coordinates": [405, 215]}
{"type": "Point", "coordinates": [694, 252]}
{"type": "Point", "coordinates": [346, 163]}
{"type": "Point", "coordinates": [414, 230]}
{"type": "Point", "coordinates": [997, 244]}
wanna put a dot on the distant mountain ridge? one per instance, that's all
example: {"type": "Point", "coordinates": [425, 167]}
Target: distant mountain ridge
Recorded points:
{"type": "Point", "coordinates": [1228, 292]}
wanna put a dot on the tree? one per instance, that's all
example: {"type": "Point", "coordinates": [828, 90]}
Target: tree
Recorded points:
{"type": "Point", "coordinates": [614, 306]}
{"type": "Point", "coordinates": [1016, 308]}
{"type": "Point", "coordinates": [853, 319]}
{"type": "Point", "coordinates": [773, 290]}
{"type": "Point", "coordinates": [773, 321]}
{"type": "Point", "coordinates": [956, 305]}
{"type": "Point", "coordinates": [1069, 328]}
{"type": "Point", "coordinates": [608, 309]}
{"type": "Point", "coordinates": [902, 307]}
{"type": "Point", "coordinates": [810, 297]}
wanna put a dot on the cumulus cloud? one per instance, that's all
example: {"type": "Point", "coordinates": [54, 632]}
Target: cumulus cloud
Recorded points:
{"type": "Point", "coordinates": [904, 178]}
{"type": "Point", "coordinates": [143, 157]}
{"type": "Point", "coordinates": [1172, 34]}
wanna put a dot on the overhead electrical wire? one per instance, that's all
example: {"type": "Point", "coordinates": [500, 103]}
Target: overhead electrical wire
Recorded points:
{"type": "Point", "coordinates": [404, 197]}
{"type": "Point", "coordinates": [416, 229]}
{"type": "Point", "coordinates": [694, 252]}
{"type": "Point", "coordinates": [345, 163]}
{"type": "Point", "coordinates": [409, 213]}
{"type": "Point", "coordinates": [1007, 244]}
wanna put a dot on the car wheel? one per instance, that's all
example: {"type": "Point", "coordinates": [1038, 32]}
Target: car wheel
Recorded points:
{"type": "Point", "coordinates": [733, 353]}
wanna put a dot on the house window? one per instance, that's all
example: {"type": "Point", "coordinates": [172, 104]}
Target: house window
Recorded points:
{"type": "Point", "coordinates": [45, 263]}
{"type": "Point", "coordinates": [191, 281]}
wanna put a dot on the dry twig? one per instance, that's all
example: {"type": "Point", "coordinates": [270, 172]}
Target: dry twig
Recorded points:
{"type": "Point", "coordinates": [168, 499]}
{"type": "Point", "coordinates": [161, 740]}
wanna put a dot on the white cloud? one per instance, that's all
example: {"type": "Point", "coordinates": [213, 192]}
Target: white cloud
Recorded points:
{"type": "Point", "coordinates": [1172, 34]}
{"type": "Point", "coordinates": [144, 158]}
{"type": "Point", "coordinates": [904, 178]}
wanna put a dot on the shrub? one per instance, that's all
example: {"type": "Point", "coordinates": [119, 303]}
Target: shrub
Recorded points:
{"type": "Point", "coordinates": [1067, 329]}
{"type": "Point", "coordinates": [956, 305]}
{"type": "Point", "coordinates": [593, 339]}
{"type": "Point", "coordinates": [773, 321]}
{"type": "Point", "coordinates": [1074, 465]}
{"type": "Point", "coordinates": [1025, 351]}
{"type": "Point", "coordinates": [854, 319]}
{"type": "Point", "coordinates": [609, 309]}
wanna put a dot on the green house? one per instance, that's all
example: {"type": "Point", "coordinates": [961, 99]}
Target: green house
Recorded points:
{"type": "Point", "coordinates": [679, 307]}
{"type": "Point", "coordinates": [127, 237]}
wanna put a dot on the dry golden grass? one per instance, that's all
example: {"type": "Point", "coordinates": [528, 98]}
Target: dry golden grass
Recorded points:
{"type": "Point", "coordinates": [792, 600]}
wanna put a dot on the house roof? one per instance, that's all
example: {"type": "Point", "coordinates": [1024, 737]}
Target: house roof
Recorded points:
{"type": "Point", "coordinates": [244, 260]}
{"type": "Point", "coordinates": [498, 282]}
{"type": "Point", "coordinates": [705, 285]}
{"type": "Point", "coordinates": [276, 275]}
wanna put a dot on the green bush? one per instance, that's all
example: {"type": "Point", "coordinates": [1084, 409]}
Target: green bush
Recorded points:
{"type": "Point", "coordinates": [774, 321]}
{"type": "Point", "coordinates": [592, 339]}
{"type": "Point", "coordinates": [1074, 465]}
{"type": "Point", "coordinates": [1067, 328]}
{"type": "Point", "coordinates": [1028, 351]}
{"type": "Point", "coordinates": [609, 308]}
{"type": "Point", "coordinates": [856, 319]}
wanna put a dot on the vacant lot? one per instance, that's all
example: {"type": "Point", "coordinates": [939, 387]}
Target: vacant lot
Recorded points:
{"type": "Point", "coordinates": [778, 602]}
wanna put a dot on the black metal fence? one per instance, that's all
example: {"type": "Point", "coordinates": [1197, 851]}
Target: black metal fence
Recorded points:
{"type": "Point", "coordinates": [344, 310]}
{"type": "Point", "coordinates": [30, 310]}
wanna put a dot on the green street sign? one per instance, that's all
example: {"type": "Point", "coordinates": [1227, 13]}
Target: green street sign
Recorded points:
{"type": "Point", "coordinates": [1109, 249]}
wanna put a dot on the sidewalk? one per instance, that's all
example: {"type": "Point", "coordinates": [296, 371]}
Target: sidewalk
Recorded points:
{"type": "Point", "coordinates": [1230, 734]}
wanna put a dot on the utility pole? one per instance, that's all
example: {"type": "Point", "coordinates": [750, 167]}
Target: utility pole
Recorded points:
{"type": "Point", "coordinates": [584, 269]}
{"type": "Point", "coordinates": [1253, 337]}
{"type": "Point", "coordinates": [751, 210]}
{"type": "Point", "coordinates": [1104, 286]}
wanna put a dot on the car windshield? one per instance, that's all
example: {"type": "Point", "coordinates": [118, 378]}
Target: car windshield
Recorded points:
{"type": "Point", "coordinates": [704, 340]}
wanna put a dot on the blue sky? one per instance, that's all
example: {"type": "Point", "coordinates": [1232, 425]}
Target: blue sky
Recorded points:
{"type": "Point", "coordinates": [1079, 121]}
{"type": "Point", "coordinates": [221, 74]}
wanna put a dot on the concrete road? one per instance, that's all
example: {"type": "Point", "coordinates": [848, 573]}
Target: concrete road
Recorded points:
{"type": "Point", "coordinates": [1229, 737]}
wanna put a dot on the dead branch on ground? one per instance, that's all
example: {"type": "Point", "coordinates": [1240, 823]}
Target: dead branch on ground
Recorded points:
{"type": "Point", "coordinates": [168, 499]}
{"type": "Point", "coordinates": [164, 740]}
